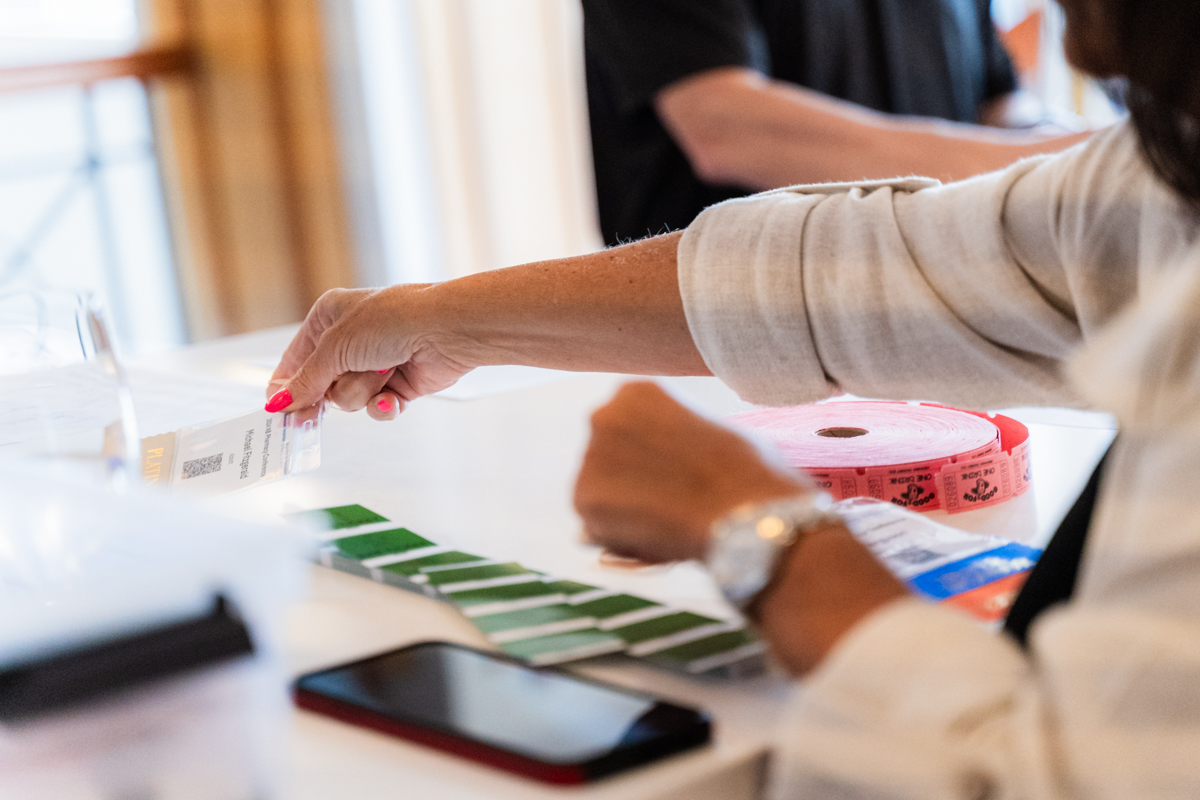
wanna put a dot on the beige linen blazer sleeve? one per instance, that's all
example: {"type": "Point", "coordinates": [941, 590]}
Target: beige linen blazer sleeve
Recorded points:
{"type": "Point", "coordinates": [971, 293]}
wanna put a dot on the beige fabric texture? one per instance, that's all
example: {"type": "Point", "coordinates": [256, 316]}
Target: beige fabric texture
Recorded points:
{"type": "Point", "coordinates": [1072, 279]}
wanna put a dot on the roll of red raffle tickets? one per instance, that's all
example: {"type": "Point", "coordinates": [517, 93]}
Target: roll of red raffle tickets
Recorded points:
{"type": "Point", "coordinates": [920, 456]}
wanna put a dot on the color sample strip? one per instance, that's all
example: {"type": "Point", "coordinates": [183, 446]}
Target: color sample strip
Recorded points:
{"type": "Point", "coordinates": [340, 517]}
{"type": "Point", "coordinates": [614, 605]}
{"type": "Point", "coordinates": [380, 543]}
{"type": "Point", "coordinates": [465, 578]}
{"type": "Point", "coordinates": [718, 651]}
{"type": "Point", "coordinates": [510, 626]}
{"type": "Point", "coordinates": [471, 598]}
{"type": "Point", "coordinates": [413, 566]}
{"type": "Point", "coordinates": [564, 647]}
{"type": "Point", "coordinates": [683, 641]}
{"type": "Point", "coordinates": [399, 557]}
{"type": "Point", "coordinates": [530, 615]}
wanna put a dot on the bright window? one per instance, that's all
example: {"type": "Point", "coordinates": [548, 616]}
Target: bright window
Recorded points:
{"type": "Point", "coordinates": [81, 206]}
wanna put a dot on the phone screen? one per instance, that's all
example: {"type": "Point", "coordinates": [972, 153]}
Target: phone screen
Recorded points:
{"type": "Point", "coordinates": [541, 714]}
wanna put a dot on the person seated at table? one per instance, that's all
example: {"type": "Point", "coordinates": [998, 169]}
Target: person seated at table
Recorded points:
{"type": "Point", "coordinates": [1060, 280]}
{"type": "Point", "coordinates": [691, 103]}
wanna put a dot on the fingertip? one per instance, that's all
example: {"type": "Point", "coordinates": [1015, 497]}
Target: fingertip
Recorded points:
{"type": "Point", "coordinates": [384, 406]}
{"type": "Point", "coordinates": [279, 401]}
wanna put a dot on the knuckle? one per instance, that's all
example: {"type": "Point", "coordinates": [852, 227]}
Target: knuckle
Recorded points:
{"type": "Point", "coordinates": [602, 417]}
{"type": "Point", "coordinates": [642, 389]}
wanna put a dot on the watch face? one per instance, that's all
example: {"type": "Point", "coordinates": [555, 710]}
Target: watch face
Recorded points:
{"type": "Point", "coordinates": [741, 562]}
{"type": "Point", "coordinates": [746, 545]}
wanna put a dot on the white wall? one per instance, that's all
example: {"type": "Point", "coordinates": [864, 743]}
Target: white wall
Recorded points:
{"type": "Point", "coordinates": [466, 133]}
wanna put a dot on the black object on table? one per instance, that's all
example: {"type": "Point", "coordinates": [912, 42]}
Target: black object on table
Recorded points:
{"type": "Point", "coordinates": [1053, 579]}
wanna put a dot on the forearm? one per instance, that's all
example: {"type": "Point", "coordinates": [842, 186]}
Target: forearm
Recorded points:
{"type": "Point", "coordinates": [738, 127]}
{"type": "Point", "coordinates": [618, 310]}
{"type": "Point", "coordinates": [817, 139]}
{"type": "Point", "coordinates": [829, 583]}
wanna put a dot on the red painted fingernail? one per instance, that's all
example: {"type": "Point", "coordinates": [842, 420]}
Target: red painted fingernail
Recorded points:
{"type": "Point", "coordinates": [279, 401]}
{"type": "Point", "coordinates": [384, 405]}
{"type": "Point", "coordinates": [381, 371]}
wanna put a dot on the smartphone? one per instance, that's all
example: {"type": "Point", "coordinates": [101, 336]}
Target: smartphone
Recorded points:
{"type": "Point", "coordinates": [539, 722]}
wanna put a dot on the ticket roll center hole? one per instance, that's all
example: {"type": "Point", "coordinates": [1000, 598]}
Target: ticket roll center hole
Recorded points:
{"type": "Point", "coordinates": [841, 433]}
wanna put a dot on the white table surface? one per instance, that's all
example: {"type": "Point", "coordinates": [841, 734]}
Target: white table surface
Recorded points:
{"type": "Point", "coordinates": [493, 475]}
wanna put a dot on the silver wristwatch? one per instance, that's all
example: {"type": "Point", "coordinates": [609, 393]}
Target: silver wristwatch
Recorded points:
{"type": "Point", "coordinates": [747, 543]}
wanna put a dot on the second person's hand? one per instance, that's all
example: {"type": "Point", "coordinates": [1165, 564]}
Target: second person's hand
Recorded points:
{"type": "Point", "coordinates": [656, 476]}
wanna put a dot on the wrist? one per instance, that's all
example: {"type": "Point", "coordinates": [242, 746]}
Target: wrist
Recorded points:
{"type": "Point", "coordinates": [439, 318]}
{"type": "Point", "coordinates": [725, 500]}
{"type": "Point", "coordinates": [828, 584]}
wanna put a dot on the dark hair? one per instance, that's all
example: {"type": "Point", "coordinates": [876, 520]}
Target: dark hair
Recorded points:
{"type": "Point", "coordinates": [1160, 44]}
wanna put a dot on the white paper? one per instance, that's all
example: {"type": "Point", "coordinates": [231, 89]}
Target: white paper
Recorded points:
{"type": "Point", "coordinates": [909, 544]}
{"type": "Point", "coordinates": [58, 410]}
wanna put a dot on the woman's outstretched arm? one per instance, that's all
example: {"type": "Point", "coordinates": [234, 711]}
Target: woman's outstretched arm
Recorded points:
{"type": "Point", "coordinates": [618, 310]}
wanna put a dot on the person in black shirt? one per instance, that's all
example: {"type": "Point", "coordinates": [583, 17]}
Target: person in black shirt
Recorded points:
{"type": "Point", "coordinates": [696, 101]}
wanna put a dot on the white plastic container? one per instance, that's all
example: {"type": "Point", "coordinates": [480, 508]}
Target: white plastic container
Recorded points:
{"type": "Point", "coordinates": [81, 569]}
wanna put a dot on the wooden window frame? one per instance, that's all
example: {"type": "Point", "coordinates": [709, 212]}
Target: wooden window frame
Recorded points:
{"type": "Point", "coordinates": [247, 151]}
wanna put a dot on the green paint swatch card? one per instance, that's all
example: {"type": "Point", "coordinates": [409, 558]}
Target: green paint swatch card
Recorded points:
{"type": "Point", "coordinates": [340, 517]}
{"type": "Point", "coordinates": [659, 627]}
{"type": "Point", "coordinates": [469, 574]}
{"type": "Point", "coordinates": [413, 566]}
{"type": "Point", "coordinates": [530, 618]}
{"type": "Point", "coordinates": [380, 543]}
{"type": "Point", "coordinates": [615, 605]}
{"type": "Point", "coordinates": [499, 594]}
{"type": "Point", "coordinates": [562, 647]}
{"type": "Point", "coordinates": [533, 616]}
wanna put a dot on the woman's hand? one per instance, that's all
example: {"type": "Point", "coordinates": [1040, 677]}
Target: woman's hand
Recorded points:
{"type": "Point", "coordinates": [656, 476]}
{"type": "Point", "coordinates": [373, 348]}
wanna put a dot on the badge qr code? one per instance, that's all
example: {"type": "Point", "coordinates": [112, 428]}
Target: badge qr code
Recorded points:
{"type": "Point", "coordinates": [202, 466]}
{"type": "Point", "coordinates": [915, 555]}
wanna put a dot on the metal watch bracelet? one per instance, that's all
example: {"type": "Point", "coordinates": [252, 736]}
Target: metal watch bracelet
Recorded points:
{"type": "Point", "coordinates": [746, 546]}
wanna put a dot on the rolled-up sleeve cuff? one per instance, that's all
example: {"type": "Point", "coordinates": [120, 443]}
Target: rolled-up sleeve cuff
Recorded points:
{"type": "Point", "coordinates": [890, 711]}
{"type": "Point", "coordinates": [741, 277]}
{"type": "Point", "coordinates": [914, 663]}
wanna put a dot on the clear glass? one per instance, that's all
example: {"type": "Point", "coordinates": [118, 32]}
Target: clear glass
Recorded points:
{"type": "Point", "coordinates": [67, 406]}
